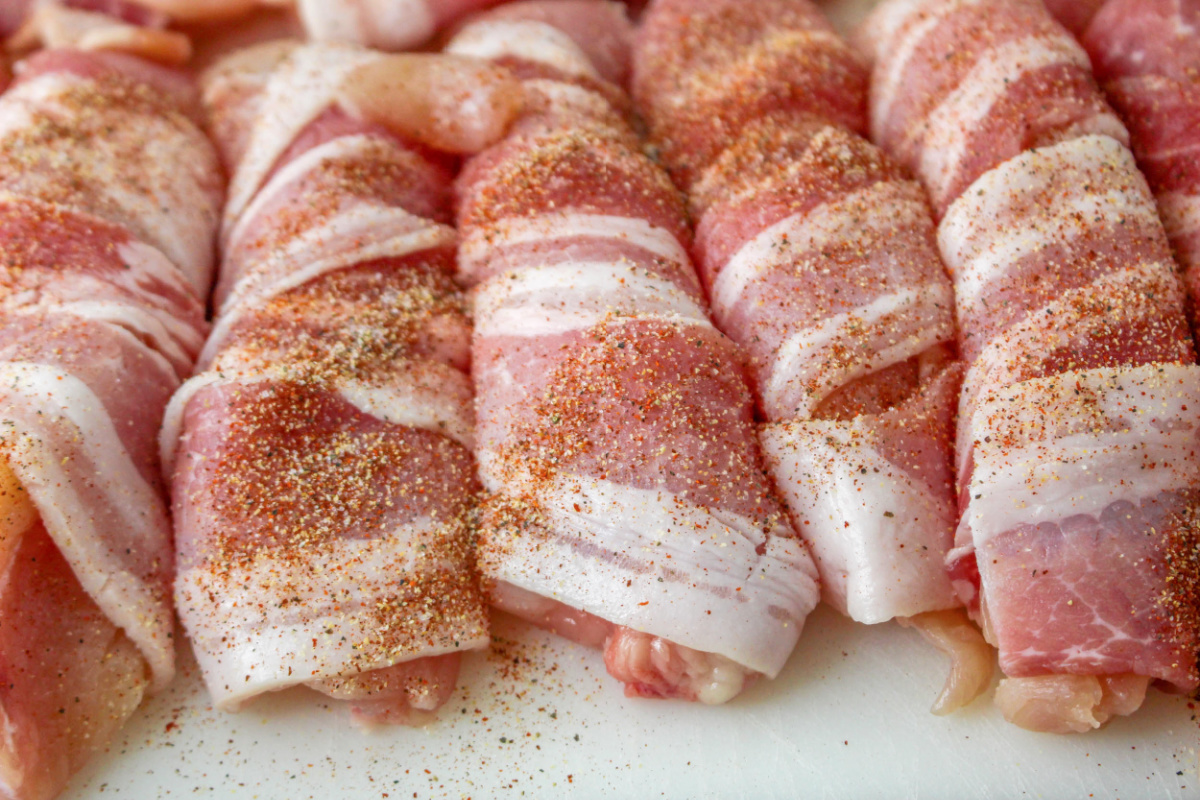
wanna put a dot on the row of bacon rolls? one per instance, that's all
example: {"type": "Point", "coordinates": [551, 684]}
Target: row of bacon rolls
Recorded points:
{"type": "Point", "coordinates": [322, 457]}
{"type": "Point", "coordinates": [109, 199]}
{"type": "Point", "coordinates": [1077, 433]}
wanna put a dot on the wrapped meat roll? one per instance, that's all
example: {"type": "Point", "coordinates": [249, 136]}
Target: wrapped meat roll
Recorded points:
{"type": "Point", "coordinates": [1077, 461]}
{"type": "Point", "coordinates": [109, 199]}
{"type": "Point", "coordinates": [821, 260]}
{"type": "Point", "coordinates": [627, 506]}
{"type": "Point", "coordinates": [1147, 55]}
{"type": "Point", "coordinates": [321, 459]}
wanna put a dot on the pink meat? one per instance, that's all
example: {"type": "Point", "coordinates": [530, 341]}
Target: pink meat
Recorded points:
{"type": "Point", "coordinates": [721, 64]}
{"type": "Point", "coordinates": [321, 462]}
{"type": "Point", "coordinates": [53, 726]}
{"type": "Point", "coordinates": [1054, 604]}
{"type": "Point", "coordinates": [55, 258]}
{"type": "Point", "coordinates": [1147, 56]}
{"type": "Point", "coordinates": [702, 429]}
{"type": "Point", "coordinates": [1026, 100]}
{"type": "Point", "coordinates": [1074, 14]}
{"type": "Point", "coordinates": [610, 395]}
{"type": "Point", "coordinates": [99, 321]}
{"type": "Point", "coordinates": [1151, 37]}
{"type": "Point", "coordinates": [820, 259]}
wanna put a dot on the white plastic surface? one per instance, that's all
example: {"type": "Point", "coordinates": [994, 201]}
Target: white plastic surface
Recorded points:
{"type": "Point", "coordinates": [847, 719]}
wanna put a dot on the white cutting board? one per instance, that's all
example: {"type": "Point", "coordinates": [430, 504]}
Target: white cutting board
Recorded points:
{"type": "Point", "coordinates": [847, 719]}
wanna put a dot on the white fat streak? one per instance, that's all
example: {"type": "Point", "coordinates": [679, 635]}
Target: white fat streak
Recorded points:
{"type": "Point", "coordinates": [320, 251]}
{"type": "Point", "coordinates": [944, 134]}
{"type": "Point", "coordinates": [246, 645]}
{"type": "Point", "coordinates": [679, 541]}
{"type": "Point", "coordinates": [828, 225]}
{"type": "Point", "coordinates": [168, 207]}
{"type": "Point", "coordinates": [22, 100]}
{"type": "Point", "coordinates": [1105, 428]}
{"type": "Point", "coordinates": [1180, 213]}
{"type": "Point", "coordinates": [527, 40]}
{"type": "Point", "coordinates": [160, 331]}
{"type": "Point", "coordinates": [920, 322]}
{"type": "Point", "coordinates": [72, 521]}
{"type": "Point", "coordinates": [145, 262]}
{"type": "Point", "coordinates": [477, 245]}
{"type": "Point", "coordinates": [879, 537]}
{"type": "Point", "coordinates": [298, 92]}
{"type": "Point", "coordinates": [979, 236]}
{"type": "Point", "coordinates": [1008, 244]}
{"type": "Point", "coordinates": [569, 96]}
{"type": "Point", "coordinates": [894, 54]}
{"type": "Point", "coordinates": [344, 148]}
{"type": "Point", "coordinates": [572, 296]}
{"type": "Point", "coordinates": [432, 397]}
{"type": "Point", "coordinates": [446, 409]}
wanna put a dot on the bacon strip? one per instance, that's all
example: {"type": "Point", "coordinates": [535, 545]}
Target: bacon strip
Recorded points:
{"type": "Point", "coordinates": [1147, 55]}
{"type": "Point", "coordinates": [1077, 461]}
{"type": "Point", "coordinates": [626, 499]}
{"type": "Point", "coordinates": [1017, 81]}
{"type": "Point", "coordinates": [108, 207]}
{"type": "Point", "coordinates": [321, 461]}
{"type": "Point", "coordinates": [821, 261]}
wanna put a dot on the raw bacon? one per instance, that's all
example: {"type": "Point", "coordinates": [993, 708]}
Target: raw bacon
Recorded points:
{"type": "Point", "coordinates": [1017, 80]}
{"type": "Point", "coordinates": [821, 261]}
{"type": "Point", "coordinates": [109, 195]}
{"type": "Point", "coordinates": [1074, 14]}
{"type": "Point", "coordinates": [322, 472]}
{"type": "Point", "coordinates": [626, 501]}
{"type": "Point", "coordinates": [1077, 463]}
{"type": "Point", "coordinates": [1147, 55]}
